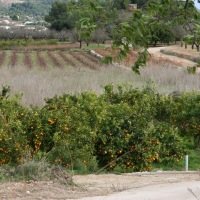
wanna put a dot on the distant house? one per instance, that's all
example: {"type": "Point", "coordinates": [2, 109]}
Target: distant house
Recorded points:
{"type": "Point", "coordinates": [132, 6]}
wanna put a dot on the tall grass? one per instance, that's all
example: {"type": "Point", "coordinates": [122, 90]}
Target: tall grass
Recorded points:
{"type": "Point", "coordinates": [36, 85]}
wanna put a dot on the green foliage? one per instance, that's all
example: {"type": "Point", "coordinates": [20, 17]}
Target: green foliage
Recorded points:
{"type": "Point", "coordinates": [31, 8]}
{"type": "Point", "coordinates": [5, 91]}
{"type": "Point", "coordinates": [153, 23]}
{"type": "Point", "coordinates": [107, 60]}
{"type": "Point", "coordinates": [162, 33]}
{"type": "Point", "coordinates": [84, 29]}
{"type": "Point", "coordinates": [14, 17]}
{"type": "Point", "coordinates": [194, 157]}
{"type": "Point", "coordinates": [188, 116]}
{"type": "Point", "coordinates": [26, 8]}
{"type": "Point", "coordinates": [192, 70]}
{"type": "Point", "coordinates": [122, 129]}
{"type": "Point", "coordinates": [120, 4]}
{"type": "Point", "coordinates": [193, 37]}
{"type": "Point", "coordinates": [58, 16]}
{"type": "Point", "coordinates": [9, 44]}
{"type": "Point", "coordinates": [141, 61]}
{"type": "Point", "coordinates": [12, 138]}
{"type": "Point", "coordinates": [140, 3]}
{"type": "Point", "coordinates": [65, 15]}
{"type": "Point", "coordinates": [182, 110]}
{"type": "Point", "coordinates": [128, 137]}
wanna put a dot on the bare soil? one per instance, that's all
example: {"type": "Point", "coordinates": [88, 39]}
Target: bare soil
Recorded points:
{"type": "Point", "coordinates": [175, 55]}
{"type": "Point", "coordinates": [178, 55]}
{"type": "Point", "coordinates": [90, 185]}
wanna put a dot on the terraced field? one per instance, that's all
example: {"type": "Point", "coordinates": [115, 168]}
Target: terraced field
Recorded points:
{"type": "Point", "coordinates": [48, 59]}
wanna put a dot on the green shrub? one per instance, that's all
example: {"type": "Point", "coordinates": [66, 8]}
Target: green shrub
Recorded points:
{"type": "Point", "coordinates": [192, 70]}
{"type": "Point", "coordinates": [75, 119]}
{"type": "Point", "coordinates": [188, 116]}
{"type": "Point", "coordinates": [123, 129]}
{"type": "Point", "coordinates": [130, 136]}
{"type": "Point", "coordinates": [13, 141]}
{"type": "Point", "coordinates": [9, 44]}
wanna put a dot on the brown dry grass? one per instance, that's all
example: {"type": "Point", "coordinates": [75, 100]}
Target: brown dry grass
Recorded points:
{"type": "Point", "coordinates": [37, 84]}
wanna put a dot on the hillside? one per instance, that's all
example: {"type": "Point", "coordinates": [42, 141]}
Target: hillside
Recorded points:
{"type": "Point", "coordinates": [6, 2]}
{"type": "Point", "coordinates": [23, 8]}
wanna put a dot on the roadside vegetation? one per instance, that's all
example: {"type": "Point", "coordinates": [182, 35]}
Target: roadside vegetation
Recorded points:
{"type": "Point", "coordinates": [122, 130]}
{"type": "Point", "coordinates": [62, 108]}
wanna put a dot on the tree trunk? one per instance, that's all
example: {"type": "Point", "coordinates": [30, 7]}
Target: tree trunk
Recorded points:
{"type": "Point", "coordinates": [192, 45]}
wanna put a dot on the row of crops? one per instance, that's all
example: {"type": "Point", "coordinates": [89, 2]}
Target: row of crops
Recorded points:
{"type": "Point", "coordinates": [45, 59]}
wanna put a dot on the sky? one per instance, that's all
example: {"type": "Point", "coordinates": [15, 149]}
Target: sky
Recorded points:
{"type": "Point", "coordinates": [197, 4]}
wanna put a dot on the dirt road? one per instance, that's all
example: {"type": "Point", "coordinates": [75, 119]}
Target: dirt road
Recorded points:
{"type": "Point", "coordinates": [172, 191]}
{"type": "Point", "coordinates": [92, 185]}
{"type": "Point", "coordinates": [156, 53]}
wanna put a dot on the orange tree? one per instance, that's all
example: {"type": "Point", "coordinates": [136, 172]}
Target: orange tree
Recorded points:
{"type": "Point", "coordinates": [120, 128]}
{"type": "Point", "coordinates": [187, 117]}
{"type": "Point", "coordinates": [130, 137]}
{"type": "Point", "coordinates": [13, 141]}
{"type": "Point", "coordinates": [182, 111]}
{"type": "Point", "coordinates": [72, 124]}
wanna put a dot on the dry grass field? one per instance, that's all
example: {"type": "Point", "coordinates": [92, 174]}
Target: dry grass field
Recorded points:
{"type": "Point", "coordinates": [40, 73]}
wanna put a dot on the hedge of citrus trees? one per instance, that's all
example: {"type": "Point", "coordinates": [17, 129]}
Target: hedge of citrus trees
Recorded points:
{"type": "Point", "coordinates": [124, 129]}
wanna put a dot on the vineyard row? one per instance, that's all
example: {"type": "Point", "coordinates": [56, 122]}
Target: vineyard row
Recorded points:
{"type": "Point", "coordinates": [44, 59]}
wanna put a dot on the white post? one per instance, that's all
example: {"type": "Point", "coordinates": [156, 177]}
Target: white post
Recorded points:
{"type": "Point", "coordinates": [186, 163]}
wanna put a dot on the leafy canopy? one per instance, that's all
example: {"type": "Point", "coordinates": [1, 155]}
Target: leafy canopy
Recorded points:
{"type": "Point", "coordinates": [154, 21]}
{"type": "Point", "coordinates": [138, 29]}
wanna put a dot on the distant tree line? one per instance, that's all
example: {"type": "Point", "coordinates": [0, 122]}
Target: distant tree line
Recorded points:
{"type": "Point", "coordinates": [88, 21]}
{"type": "Point", "coordinates": [26, 34]}
{"type": "Point", "coordinates": [32, 8]}
{"type": "Point", "coordinates": [88, 18]}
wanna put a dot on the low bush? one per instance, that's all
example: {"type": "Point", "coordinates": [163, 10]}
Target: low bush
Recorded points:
{"type": "Point", "coordinates": [13, 141]}
{"type": "Point", "coordinates": [12, 44]}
